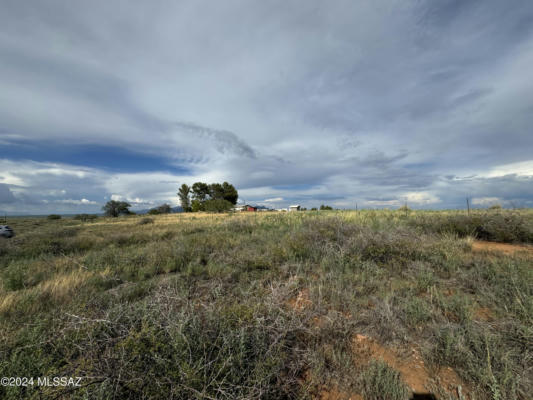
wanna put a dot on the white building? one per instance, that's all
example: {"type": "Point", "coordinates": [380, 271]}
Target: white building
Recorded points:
{"type": "Point", "coordinates": [294, 207]}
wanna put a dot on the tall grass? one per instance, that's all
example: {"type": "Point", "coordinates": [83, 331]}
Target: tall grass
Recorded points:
{"type": "Point", "coordinates": [201, 306]}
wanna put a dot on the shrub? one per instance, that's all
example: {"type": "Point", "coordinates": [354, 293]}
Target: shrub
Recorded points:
{"type": "Point", "coordinates": [505, 226]}
{"type": "Point", "coordinates": [162, 209]}
{"type": "Point", "coordinates": [145, 221]}
{"type": "Point", "coordinates": [405, 208]}
{"type": "Point", "coordinates": [379, 381]}
{"type": "Point", "coordinates": [115, 208]}
{"type": "Point", "coordinates": [54, 216]}
{"type": "Point", "coordinates": [217, 205]}
{"type": "Point", "coordinates": [85, 217]}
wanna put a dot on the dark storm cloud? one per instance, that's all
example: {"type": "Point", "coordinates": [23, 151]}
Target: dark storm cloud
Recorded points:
{"type": "Point", "coordinates": [332, 101]}
{"type": "Point", "coordinates": [5, 194]}
{"type": "Point", "coordinates": [224, 141]}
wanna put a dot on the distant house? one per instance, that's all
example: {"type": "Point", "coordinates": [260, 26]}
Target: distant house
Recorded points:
{"type": "Point", "coordinates": [245, 207]}
{"type": "Point", "coordinates": [294, 207]}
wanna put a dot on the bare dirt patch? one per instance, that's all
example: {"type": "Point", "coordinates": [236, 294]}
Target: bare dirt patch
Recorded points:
{"type": "Point", "coordinates": [301, 301]}
{"type": "Point", "coordinates": [483, 314]}
{"type": "Point", "coordinates": [335, 394]}
{"type": "Point", "coordinates": [411, 367]}
{"type": "Point", "coordinates": [479, 246]}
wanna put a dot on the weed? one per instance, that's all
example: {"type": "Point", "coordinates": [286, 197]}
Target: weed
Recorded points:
{"type": "Point", "coordinates": [379, 382]}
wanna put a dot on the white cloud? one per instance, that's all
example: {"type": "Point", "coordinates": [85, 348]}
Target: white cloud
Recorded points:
{"type": "Point", "coordinates": [311, 102]}
{"type": "Point", "coordinates": [420, 198]}
{"type": "Point", "coordinates": [486, 201]}
{"type": "Point", "coordinates": [382, 203]}
{"type": "Point", "coordinates": [76, 202]}
{"type": "Point", "coordinates": [523, 168]}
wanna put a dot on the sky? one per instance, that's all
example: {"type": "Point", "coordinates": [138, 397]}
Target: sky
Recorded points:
{"type": "Point", "coordinates": [378, 103]}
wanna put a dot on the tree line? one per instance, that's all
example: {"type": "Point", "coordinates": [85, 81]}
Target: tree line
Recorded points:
{"type": "Point", "coordinates": [214, 197]}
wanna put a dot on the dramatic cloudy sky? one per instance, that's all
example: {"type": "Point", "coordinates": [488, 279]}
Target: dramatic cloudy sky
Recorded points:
{"type": "Point", "coordinates": [377, 102]}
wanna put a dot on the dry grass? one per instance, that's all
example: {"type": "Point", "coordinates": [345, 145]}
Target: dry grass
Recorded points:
{"type": "Point", "coordinates": [266, 305]}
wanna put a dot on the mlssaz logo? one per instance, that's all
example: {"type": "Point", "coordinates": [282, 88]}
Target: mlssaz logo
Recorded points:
{"type": "Point", "coordinates": [59, 381]}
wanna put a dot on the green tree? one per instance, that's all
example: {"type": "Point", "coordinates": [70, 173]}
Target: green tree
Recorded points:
{"type": "Point", "coordinates": [200, 191]}
{"type": "Point", "coordinates": [325, 207]}
{"type": "Point", "coordinates": [183, 194]}
{"type": "Point", "coordinates": [216, 191]}
{"type": "Point", "coordinates": [217, 205]}
{"type": "Point", "coordinates": [162, 209]}
{"type": "Point", "coordinates": [230, 193]}
{"type": "Point", "coordinates": [197, 205]}
{"type": "Point", "coordinates": [85, 217]}
{"type": "Point", "coordinates": [115, 208]}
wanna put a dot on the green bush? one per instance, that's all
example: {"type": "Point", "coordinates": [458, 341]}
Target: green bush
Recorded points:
{"type": "Point", "coordinates": [85, 217]}
{"type": "Point", "coordinates": [380, 382]}
{"type": "Point", "coordinates": [505, 226]}
{"type": "Point", "coordinates": [217, 205]}
{"type": "Point", "coordinates": [54, 216]}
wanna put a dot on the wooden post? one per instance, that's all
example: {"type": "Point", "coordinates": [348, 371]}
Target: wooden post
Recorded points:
{"type": "Point", "coordinates": [468, 205]}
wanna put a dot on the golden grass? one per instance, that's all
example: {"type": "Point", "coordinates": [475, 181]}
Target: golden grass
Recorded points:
{"type": "Point", "coordinates": [59, 289]}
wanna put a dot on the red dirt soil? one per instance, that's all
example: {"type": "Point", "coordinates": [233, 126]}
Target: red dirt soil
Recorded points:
{"type": "Point", "coordinates": [301, 301]}
{"type": "Point", "coordinates": [334, 394]}
{"type": "Point", "coordinates": [480, 246]}
{"type": "Point", "coordinates": [411, 368]}
{"type": "Point", "coordinates": [484, 314]}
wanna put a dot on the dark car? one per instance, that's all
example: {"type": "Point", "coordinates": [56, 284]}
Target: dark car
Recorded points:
{"type": "Point", "coordinates": [6, 231]}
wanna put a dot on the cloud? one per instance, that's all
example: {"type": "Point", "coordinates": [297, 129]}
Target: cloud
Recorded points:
{"type": "Point", "coordinates": [421, 198]}
{"type": "Point", "coordinates": [311, 102]}
{"type": "Point", "coordinates": [485, 201]}
{"type": "Point", "coordinates": [523, 168]}
{"type": "Point", "coordinates": [5, 194]}
{"type": "Point", "coordinates": [76, 202]}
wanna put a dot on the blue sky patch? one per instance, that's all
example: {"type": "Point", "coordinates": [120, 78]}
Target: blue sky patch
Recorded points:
{"type": "Point", "coordinates": [111, 158]}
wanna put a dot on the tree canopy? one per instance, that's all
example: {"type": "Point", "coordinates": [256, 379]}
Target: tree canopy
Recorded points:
{"type": "Point", "coordinates": [183, 194]}
{"type": "Point", "coordinates": [115, 208]}
{"type": "Point", "coordinates": [162, 209]}
{"type": "Point", "coordinates": [208, 197]}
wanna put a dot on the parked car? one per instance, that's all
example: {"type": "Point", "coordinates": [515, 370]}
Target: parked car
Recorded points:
{"type": "Point", "coordinates": [6, 231]}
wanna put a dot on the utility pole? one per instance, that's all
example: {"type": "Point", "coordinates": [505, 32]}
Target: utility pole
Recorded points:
{"type": "Point", "coordinates": [468, 205]}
